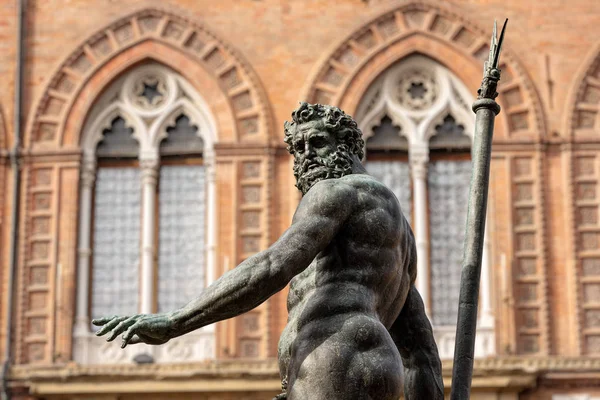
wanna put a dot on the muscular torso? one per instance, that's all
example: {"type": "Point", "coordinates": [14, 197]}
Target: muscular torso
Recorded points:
{"type": "Point", "coordinates": [355, 288]}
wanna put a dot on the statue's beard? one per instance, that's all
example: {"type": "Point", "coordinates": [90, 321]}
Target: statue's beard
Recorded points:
{"type": "Point", "coordinates": [310, 171]}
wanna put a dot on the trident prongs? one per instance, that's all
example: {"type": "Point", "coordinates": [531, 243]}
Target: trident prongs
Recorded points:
{"type": "Point", "coordinates": [498, 44]}
{"type": "Point", "coordinates": [491, 72]}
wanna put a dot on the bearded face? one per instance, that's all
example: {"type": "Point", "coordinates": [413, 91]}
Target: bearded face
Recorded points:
{"type": "Point", "coordinates": [318, 156]}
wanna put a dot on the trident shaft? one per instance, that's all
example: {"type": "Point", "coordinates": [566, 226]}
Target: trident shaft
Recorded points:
{"type": "Point", "coordinates": [485, 109]}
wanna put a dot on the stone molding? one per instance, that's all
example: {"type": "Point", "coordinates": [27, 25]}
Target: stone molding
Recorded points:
{"type": "Point", "coordinates": [505, 373]}
{"type": "Point", "coordinates": [265, 368]}
{"type": "Point", "coordinates": [387, 97]}
{"type": "Point", "coordinates": [541, 166]}
{"type": "Point", "coordinates": [582, 125]}
{"type": "Point", "coordinates": [329, 82]}
{"type": "Point", "coordinates": [582, 117]}
{"type": "Point", "coordinates": [237, 80]}
{"type": "Point", "coordinates": [122, 99]}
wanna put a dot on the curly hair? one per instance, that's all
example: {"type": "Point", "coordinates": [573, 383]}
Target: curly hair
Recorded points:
{"type": "Point", "coordinates": [336, 122]}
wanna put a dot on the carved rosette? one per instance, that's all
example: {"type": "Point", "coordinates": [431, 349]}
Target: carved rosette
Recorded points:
{"type": "Point", "coordinates": [520, 102]}
{"type": "Point", "coordinates": [417, 89]}
{"type": "Point", "coordinates": [417, 94]}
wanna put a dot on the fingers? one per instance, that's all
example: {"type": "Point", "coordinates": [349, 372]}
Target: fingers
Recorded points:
{"type": "Point", "coordinates": [135, 340]}
{"type": "Point", "coordinates": [129, 335]}
{"type": "Point", "coordinates": [102, 321]}
{"type": "Point", "coordinates": [123, 325]}
{"type": "Point", "coordinates": [110, 325]}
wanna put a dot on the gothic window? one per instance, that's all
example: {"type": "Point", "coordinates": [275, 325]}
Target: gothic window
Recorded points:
{"type": "Point", "coordinates": [416, 121]}
{"type": "Point", "coordinates": [146, 190]}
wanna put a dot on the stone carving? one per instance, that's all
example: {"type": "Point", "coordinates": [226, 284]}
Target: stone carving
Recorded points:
{"type": "Point", "coordinates": [421, 97]}
{"type": "Point", "coordinates": [439, 118]}
{"type": "Point", "coordinates": [146, 114]}
{"type": "Point", "coordinates": [149, 91]}
{"type": "Point", "coordinates": [530, 289]}
{"type": "Point", "coordinates": [338, 310]}
{"type": "Point", "coordinates": [117, 140]}
{"type": "Point", "coordinates": [587, 242]}
{"type": "Point", "coordinates": [159, 26]}
{"type": "Point", "coordinates": [417, 89]}
{"type": "Point", "coordinates": [583, 107]}
{"type": "Point", "coordinates": [396, 25]}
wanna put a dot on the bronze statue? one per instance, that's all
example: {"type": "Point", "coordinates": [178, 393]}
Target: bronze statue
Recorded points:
{"type": "Point", "coordinates": [355, 316]}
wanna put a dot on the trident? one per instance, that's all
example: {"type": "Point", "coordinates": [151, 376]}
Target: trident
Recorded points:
{"type": "Point", "coordinates": [485, 109]}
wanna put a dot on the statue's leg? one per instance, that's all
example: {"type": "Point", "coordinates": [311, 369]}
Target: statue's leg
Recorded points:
{"type": "Point", "coordinates": [413, 336]}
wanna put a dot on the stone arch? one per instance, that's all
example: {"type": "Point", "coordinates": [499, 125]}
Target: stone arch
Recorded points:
{"type": "Point", "coordinates": [583, 117]}
{"type": "Point", "coordinates": [203, 82]}
{"type": "Point", "coordinates": [139, 35]}
{"type": "Point", "coordinates": [436, 31]}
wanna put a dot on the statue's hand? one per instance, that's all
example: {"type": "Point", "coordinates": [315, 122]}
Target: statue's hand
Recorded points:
{"type": "Point", "coordinates": [141, 328]}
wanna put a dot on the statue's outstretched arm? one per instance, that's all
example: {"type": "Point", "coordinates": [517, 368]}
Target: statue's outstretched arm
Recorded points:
{"type": "Point", "coordinates": [322, 212]}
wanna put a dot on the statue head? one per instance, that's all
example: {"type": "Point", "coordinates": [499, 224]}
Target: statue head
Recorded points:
{"type": "Point", "coordinates": [325, 143]}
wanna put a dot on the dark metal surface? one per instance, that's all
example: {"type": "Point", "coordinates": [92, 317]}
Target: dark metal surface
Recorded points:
{"type": "Point", "coordinates": [485, 109]}
{"type": "Point", "coordinates": [354, 315]}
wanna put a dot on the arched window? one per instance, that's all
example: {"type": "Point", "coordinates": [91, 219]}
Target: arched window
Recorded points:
{"type": "Point", "coordinates": [147, 228]}
{"type": "Point", "coordinates": [417, 122]}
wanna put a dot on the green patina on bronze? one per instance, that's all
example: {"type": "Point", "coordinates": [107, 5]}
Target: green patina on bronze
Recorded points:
{"type": "Point", "coordinates": [485, 109]}
{"type": "Point", "coordinates": [355, 316]}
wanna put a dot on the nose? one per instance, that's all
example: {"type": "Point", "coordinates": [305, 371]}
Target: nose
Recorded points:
{"type": "Point", "coordinates": [309, 150]}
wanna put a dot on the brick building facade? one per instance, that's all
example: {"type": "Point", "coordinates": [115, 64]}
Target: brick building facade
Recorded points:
{"type": "Point", "coordinates": [124, 104]}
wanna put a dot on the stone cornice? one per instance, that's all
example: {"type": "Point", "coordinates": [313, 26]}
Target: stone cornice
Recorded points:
{"type": "Point", "coordinates": [206, 370]}
{"type": "Point", "coordinates": [267, 369]}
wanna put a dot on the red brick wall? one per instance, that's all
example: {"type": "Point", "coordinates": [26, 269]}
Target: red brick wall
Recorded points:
{"type": "Point", "coordinates": [281, 45]}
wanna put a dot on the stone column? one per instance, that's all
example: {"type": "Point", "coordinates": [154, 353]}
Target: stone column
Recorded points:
{"type": "Point", "coordinates": [211, 238]}
{"type": "Point", "coordinates": [419, 158]}
{"type": "Point", "coordinates": [84, 251]}
{"type": "Point", "coordinates": [149, 169]}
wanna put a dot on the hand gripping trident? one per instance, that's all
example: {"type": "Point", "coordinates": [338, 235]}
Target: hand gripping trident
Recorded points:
{"type": "Point", "coordinates": [485, 109]}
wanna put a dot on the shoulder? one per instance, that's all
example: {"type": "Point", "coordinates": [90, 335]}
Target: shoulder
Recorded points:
{"type": "Point", "coordinates": [373, 194]}
{"type": "Point", "coordinates": [329, 197]}
{"type": "Point", "coordinates": [367, 185]}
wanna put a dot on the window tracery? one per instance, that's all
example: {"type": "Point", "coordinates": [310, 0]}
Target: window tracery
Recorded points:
{"type": "Point", "coordinates": [147, 184]}
{"type": "Point", "coordinates": [417, 127]}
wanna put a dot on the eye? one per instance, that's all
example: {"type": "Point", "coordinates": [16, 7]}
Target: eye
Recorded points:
{"type": "Point", "coordinates": [318, 142]}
